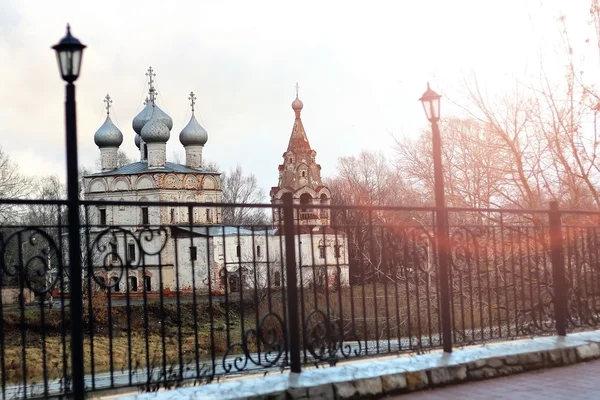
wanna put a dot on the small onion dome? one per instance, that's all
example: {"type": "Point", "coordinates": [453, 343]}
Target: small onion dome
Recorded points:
{"type": "Point", "coordinates": [108, 135]}
{"type": "Point", "coordinates": [140, 120]}
{"type": "Point", "coordinates": [297, 104]}
{"type": "Point", "coordinates": [144, 116]}
{"type": "Point", "coordinates": [193, 134]}
{"type": "Point", "coordinates": [137, 141]}
{"type": "Point", "coordinates": [155, 130]}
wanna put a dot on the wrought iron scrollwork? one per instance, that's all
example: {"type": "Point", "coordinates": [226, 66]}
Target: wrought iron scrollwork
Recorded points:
{"type": "Point", "coordinates": [263, 346]}
{"type": "Point", "coordinates": [32, 258]}
{"type": "Point", "coordinates": [324, 338]}
{"type": "Point", "coordinates": [106, 260]}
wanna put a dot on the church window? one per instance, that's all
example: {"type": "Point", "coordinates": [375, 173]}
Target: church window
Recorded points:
{"type": "Point", "coordinates": [258, 251]}
{"type": "Point", "coordinates": [337, 251]}
{"type": "Point", "coordinates": [291, 160]}
{"type": "Point", "coordinates": [193, 253]}
{"type": "Point", "coordinates": [130, 252]}
{"type": "Point", "coordinates": [102, 216]}
{"type": "Point", "coordinates": [303, 174]}
{"type": "Point", "coordinates": [114, 256]}
{"type": "Point", "coordinates": [145, 152]}
{"type": "Point", "coordinates": [321, 251]}
{"type": "Point", "coordinates": [133, 284]}
{"type": "Point", "coordinates": [208, 215]}
{"type": "Point", "coordinates": [147, 283]}
{"type": "Point", "coordinates": [145, 217]}
{"type": "Point", "coordinates": [238, 251]}
{"type": "Point", "coordinates": [172, 215]}
{"type": "Point", "coordinates": [115, 283]}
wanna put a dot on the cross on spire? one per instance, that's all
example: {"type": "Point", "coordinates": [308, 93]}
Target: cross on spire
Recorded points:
{"type": "Point", "coordinates": [192, 100]}
{"type": "Point", "coordinates": [151, 90]}
{"type": "Point", "coordinates": [297, 87]}
{"type": "Point", "coordinates": [108, 102]}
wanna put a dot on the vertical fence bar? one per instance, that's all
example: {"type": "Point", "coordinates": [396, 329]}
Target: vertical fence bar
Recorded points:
{"type": "Point", "coordinates": [558, 269]}
{"type": "Point", "coordinates": [292, 285]}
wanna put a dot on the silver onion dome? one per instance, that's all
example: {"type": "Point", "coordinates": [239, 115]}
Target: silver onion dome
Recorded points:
{"type": "Point", "coordinates": [144, 116]}
{"type": "Point", "coordinates": [193, 134]}
{"type": "Point", "coordinates": [156, 130]}
{"type": "Point", "coordinates": [108, 135]}
{"type": "Point", "coordinates": [137, 140]}
{"type": "Point", "coordinates": [140, 120]}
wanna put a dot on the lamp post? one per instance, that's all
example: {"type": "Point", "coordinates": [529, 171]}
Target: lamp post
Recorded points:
{"type": "Point", "coordinates": [431, 105]}
{"type": "Point", "coordinates": [69, 52]}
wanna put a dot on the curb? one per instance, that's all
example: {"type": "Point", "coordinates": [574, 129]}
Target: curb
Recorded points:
{"type": "Point", "coordinates": [397, 375]}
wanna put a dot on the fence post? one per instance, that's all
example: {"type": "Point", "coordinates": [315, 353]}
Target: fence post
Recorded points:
{"type": "Point", "coordinates": [558, 269]}
{"type": "Point", "coordinates": [292, 282]}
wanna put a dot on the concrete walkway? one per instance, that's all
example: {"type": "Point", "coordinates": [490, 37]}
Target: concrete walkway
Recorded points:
{"type": "Point", "coordinates": [574, 382]}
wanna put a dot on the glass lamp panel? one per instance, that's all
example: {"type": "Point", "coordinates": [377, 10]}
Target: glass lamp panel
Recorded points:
{"type": "Point", "coordinates": [427, 108]}
{"type": "Point", "coordinates": [435, 109]}
{"type": "Point", "coordinates": [76, 62]}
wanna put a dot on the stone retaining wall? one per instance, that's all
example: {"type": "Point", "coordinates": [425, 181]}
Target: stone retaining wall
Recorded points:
{"type": "Point", "coordinates": [377, 378]}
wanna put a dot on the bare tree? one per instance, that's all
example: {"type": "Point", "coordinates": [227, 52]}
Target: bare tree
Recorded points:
{"type": "Point", "coordinates": [13, 185]}
{"type": "Point", "coordinates": [242, 189]}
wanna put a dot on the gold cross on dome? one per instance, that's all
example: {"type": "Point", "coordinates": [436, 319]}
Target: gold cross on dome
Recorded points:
{"type": "Point", "coordinates": [108, 102]}
{"type": "Point", "coordinates": [192, 100]}
{"type": "Point", "coordinates": [297, 87]}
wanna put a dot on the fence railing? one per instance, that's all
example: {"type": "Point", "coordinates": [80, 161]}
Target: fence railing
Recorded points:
{"type": "Point", "coordinates": [168, 298]}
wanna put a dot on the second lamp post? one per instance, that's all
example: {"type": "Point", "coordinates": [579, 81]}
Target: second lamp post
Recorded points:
{"type": "Point", "coordinates": [431, 104]}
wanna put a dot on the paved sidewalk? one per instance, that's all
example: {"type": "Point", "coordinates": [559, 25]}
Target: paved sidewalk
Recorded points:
{"type": "Point", "coordinates": [574, 382]}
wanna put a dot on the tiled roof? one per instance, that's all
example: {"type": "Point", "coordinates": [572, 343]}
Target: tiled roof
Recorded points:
{"type": "Point", "coordinates": [141, 167]}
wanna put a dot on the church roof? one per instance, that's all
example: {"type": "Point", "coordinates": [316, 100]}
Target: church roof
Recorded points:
{"type": "Point", "coordinates": [298, 140]}
{"type": "Point", "coordinates": [224, 230]}
{"type": "Point", "coordinates": [141, 167]}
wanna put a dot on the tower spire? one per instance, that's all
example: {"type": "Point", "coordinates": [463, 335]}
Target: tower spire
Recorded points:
{"type": "Point", "coordinates": [192, 100]}
{"type": "Point", "coordinates": [108, 102]}
{"type": "Point", "coordinates": [152, 93]}
{"type": "Point", "coordinates": [297, 87]}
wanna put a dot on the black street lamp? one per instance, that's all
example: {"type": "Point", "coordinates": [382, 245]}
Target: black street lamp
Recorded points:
{"type": "Point", "coordinates": [69, 52]}
{"type": "Point", "coordinates": [431, 105]}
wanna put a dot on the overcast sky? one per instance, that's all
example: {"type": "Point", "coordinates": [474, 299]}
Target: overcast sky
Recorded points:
{"type": "Point", "coordinates": [361, 67]}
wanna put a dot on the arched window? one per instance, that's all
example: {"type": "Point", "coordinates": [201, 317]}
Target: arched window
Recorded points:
{"type": "Point", "coordinates": [258, 253]}
{"type": "Point", "coordinates": [304, 200]}
{"type": "Point", "coordinates": [114, 282]}
{"type": "Point", "coordinates": [238, 251]}
{"type": "Point", "coordinates": [133, 284]}
{"type": "Point", "coordinates": [145, 216]}
{"type": "Point", "coordinates": [145, 152]}
{"type": "Point", "coordinates": [102, 216]}
{"type": "Point", "coordinates": [130, 251]}
{"type": "Point", "coordinates": [114, 255]}
{"type": "Point", "coordinates": [147, 283]}
{"type": "Point", "coordinates": [324, 201]}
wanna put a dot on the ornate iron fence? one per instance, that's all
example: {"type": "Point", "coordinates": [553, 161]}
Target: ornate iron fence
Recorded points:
{"type": "Point", "coordinates": [167, 300]}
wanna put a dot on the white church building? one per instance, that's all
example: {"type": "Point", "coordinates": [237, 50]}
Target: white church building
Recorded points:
{"type": "Point", "coordinates": [181, 248]}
